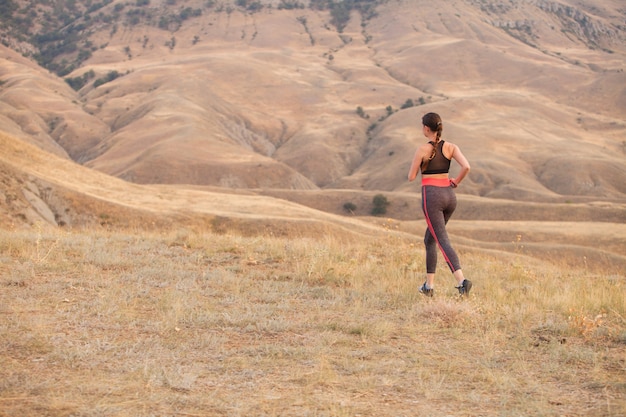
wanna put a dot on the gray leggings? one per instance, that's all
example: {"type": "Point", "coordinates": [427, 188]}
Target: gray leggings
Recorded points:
{"type": "Point", "coordinates": [438, 204]}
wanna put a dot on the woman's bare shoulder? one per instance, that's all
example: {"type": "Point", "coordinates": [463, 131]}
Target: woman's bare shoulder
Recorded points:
{"type": "Point", "coordinates": [449, 148]}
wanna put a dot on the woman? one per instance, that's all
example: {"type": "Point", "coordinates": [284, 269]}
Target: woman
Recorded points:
{"type": "Point", "coordinates": [438, 199]}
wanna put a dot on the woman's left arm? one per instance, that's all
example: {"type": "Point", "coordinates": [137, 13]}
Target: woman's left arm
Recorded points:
{"type": "Point", "coordinates": [458, 156]}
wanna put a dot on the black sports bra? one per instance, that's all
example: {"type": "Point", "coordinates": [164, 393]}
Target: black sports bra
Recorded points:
{"type": "Point", "coordinates": [439, 164]}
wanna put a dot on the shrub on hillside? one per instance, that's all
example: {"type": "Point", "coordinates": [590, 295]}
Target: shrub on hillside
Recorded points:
{"type": "Point", "coordinates": [79, 82]}
{"type": "Point", "coordinates": [109, 77]}
{"type": "Point", "coordinates": [349, 207]}
{"type": "Point", "coordinates": [380, 205]}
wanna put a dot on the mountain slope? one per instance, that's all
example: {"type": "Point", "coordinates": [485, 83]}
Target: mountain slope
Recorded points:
{"type": "Point", "coordinates": [38, 187]}
{"type": "Point", "coordinates": [534, 93]}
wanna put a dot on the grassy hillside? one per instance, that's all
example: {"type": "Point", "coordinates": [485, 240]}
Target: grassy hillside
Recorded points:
{"type": "Point", "coordinates": [203, 324]}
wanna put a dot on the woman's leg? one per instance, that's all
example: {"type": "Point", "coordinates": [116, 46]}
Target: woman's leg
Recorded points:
{"type": "Point", "coordinates": [431, 252]}
{"type": "Point", "coordinates": [438, 204]}
{"type": "Point", "coordinates": [431, 258]}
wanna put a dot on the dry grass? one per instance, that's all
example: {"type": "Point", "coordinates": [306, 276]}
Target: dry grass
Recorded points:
{"type": "Point", "coordinates": [180, 323]}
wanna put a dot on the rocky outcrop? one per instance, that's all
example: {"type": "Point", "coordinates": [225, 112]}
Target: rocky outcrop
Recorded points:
{"type": "Point", "coordinates": [580, 23]}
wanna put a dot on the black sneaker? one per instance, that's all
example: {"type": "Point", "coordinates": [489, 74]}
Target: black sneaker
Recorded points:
{"type": "Point", "coordinates": [428, 292]}
{"type": "Point", "coordinates": [465, 287]}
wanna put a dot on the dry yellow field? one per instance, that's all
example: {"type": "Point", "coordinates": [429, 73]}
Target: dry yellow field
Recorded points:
{"type": "Point", "coordinates": [183, 323]}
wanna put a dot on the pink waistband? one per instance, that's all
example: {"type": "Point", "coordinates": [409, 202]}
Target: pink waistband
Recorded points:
{"type": "Point", "coordinates": [437, 182]}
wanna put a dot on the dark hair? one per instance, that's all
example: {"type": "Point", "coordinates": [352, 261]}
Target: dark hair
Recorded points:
{"type": "Point", "coordinates": [433, 122]}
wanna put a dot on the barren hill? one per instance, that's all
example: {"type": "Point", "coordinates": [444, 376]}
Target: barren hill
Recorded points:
{"type": "Point", "coordinates": [278, 97]}
{"type": "Point", "coordinates": [39, 188]}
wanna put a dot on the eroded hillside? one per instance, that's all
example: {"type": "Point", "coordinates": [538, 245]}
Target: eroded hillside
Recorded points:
{"type": "Point", "coordinates": [298, 95]}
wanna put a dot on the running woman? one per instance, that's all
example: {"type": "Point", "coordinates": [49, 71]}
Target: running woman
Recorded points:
{"type": "Point", "coordinates": [438, 199]}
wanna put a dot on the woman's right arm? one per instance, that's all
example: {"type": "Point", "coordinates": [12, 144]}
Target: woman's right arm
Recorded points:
{"type": "Point", "coordinates": [416, 164]}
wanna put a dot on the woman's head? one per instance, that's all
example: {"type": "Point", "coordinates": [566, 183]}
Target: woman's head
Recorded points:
{"type": "Point", "coordinates": [433, 122]}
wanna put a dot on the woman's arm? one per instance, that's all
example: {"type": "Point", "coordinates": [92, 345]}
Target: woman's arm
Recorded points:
{"type": "Point", "coordinates": [458, 156]}
{"type": "Point", "coordinates": [416, 164]}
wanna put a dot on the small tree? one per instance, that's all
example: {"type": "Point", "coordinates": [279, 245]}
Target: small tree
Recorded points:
{"type": "Point", "coordinates": [78, 82]}
{"type": "Point", "coordinates": [349, 207]}
{"type": "Point", "coordinates": [408, 103]}
{"type": "Point", "coordinates": [380, 205]}
{"type": "Point", "coordinates": [361, 113]}
{"type": "Point", "coordinates": [109, 77]}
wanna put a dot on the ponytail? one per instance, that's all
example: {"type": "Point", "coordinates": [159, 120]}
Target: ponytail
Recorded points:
{"type": "Point", "coordinates": [433, 121]}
